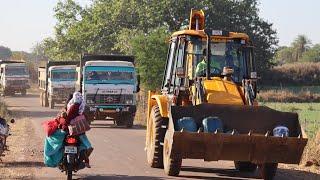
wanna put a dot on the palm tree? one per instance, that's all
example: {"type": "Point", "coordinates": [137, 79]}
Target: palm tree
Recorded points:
{"type": "Point", "coordinates": [300, 45]}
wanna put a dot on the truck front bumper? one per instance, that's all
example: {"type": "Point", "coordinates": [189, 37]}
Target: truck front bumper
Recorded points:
{"type": "Point", "coordinates": [17, 87]}
{"type": "Point", "coordinates": [112, 111]}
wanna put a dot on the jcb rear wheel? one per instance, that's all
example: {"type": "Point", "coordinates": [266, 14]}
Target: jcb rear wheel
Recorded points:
{"type": "Point", "coordinates": [268, 170]}
{"type": "Point", "coordinates": [172, 163]}
{"type": "Point", "coordinates": [154, 137]}
{"type": "Point", "coordinates": [245, 166]}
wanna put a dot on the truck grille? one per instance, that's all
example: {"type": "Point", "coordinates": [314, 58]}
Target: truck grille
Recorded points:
{"type": "Point", "coordinates": [63, 92]}
{"type": "Point", "coordinates": [108, 98]}
{"type": "Point", "coordinates": [16, 82]}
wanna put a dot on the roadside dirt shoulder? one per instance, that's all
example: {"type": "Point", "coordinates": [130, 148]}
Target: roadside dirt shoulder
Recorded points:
{"type": "Point", "coordinates": [25, 153]}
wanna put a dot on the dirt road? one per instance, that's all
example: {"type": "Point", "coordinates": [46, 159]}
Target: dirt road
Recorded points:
{"type": "Point", "coordinates": [119, 152]}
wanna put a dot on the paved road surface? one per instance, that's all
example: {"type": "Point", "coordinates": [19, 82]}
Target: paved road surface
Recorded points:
{"type": "Point", "coordinates": [119, 152]}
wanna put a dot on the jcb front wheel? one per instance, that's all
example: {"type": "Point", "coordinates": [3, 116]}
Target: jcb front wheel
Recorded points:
{"type": "Point", "coordinates": [172, 162]}
{"type": "Point", "coordinates": [155, 136]}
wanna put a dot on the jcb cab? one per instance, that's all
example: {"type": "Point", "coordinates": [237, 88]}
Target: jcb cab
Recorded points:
{"type": "Point", "coordinates": [210, 75]}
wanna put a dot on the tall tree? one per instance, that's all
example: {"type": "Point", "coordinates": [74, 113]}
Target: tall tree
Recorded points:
{"type": "Point", "coordinates": [300, 45]}
{"type": "Point", "coordinates": [5, 53]}
{"type": "Point", "coordinates": [104, 26]}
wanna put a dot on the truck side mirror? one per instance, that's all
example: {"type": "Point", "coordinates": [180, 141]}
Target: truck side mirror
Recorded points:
{"type": "Point", "coordinates": [138, 83]}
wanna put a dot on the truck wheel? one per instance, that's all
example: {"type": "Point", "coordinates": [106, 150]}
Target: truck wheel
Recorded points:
{"type": "Point", "coordinates": [129, 121]}
{"type": "Point", "coordinates": [46, 101]}
{"type": "Point", "coordinates": [245, 166]}
{"type": "Point", "coordinates": [24, 92]}
{"type": "Point", "coordinates": [51, 103]}
{"type": "Point", "coordinates": [155, 136]}
{"type": "Point", "coordinates": [172, 163]}
{"type": "Point", "coordinates": [41, 99]}
{"type": "Point", "coordinates": [267, 171]}
{"type": "Point", "coordinates": [119, 122]}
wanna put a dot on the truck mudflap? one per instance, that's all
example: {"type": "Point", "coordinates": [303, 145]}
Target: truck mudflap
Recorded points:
{"type": "Point", "coordinates": [238, 147]}
{"type": "Point", "coordinates": [253, 140]}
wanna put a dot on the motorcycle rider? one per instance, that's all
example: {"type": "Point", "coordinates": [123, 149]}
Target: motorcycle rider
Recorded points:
{"type": "Point", "coordinates": [75, 107]}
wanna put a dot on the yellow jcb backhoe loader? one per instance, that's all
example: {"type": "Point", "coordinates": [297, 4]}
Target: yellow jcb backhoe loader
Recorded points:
{"type": "Point", "coordinates": [212, 73]}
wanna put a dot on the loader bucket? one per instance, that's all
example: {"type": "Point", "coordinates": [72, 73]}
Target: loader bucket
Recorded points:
{"type": "Point", "coordinates": [253, 141]}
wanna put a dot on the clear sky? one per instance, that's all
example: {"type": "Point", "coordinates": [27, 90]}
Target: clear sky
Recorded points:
{"type": "Point", "coordinates": [25, 22]}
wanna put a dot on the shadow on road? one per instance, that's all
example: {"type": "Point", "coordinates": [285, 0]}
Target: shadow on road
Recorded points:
{"type": "Point", "coordinates": [112, 126]}
{"type": "Point", "coordinates": [282, 174]}
{"type": "Point", "coordinates": [288, 174]}
{"type": "Point", "coordinates": [34, 114]}
{"type": "Point", "coordinates": [98, 177]}
{"type": "Point", "coordinates": [223, 173]}
{"type": "Point", "coordinates": [19, 164]}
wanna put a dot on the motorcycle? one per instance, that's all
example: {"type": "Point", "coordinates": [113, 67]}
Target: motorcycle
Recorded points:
{"type": "Point", "coordinates": [4, 133]}
{"type": "Point", "coordinates": [72, 159]}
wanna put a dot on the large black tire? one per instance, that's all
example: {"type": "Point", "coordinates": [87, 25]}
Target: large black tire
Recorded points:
{"type": "Point", "coordinates": [41, 99]}
{"type": "Point", "coordinates": [245, 166]}
{"type": "Point", "coordinates": [129, 121]}
{"type": "Point", "coordinates": [46, 100]}
{"type": "Point", "coordinates": [172, 163]}
{"type": "Point", "coordinates": [24, 92]}
{"type": "Point", "coordinates": [267, 171]}
{"type": "Point", "coordinates": [155, 137]}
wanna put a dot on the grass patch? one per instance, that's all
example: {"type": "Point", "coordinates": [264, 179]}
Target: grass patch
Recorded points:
{"type": "Point", "coordinates": [309, 114]}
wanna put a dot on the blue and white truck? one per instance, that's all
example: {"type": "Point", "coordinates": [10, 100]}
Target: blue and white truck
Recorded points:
{"type": "Point", "coordinates": [109, 84]}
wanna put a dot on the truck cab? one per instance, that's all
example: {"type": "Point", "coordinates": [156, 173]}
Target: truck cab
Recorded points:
{"type": "Point", "coordinates": [61, 83]}
{"type": "Point", "coordinates": [109, 87]}
{"type": "Point", "coordinates": [57, 80]}
{"type": "Point", "coordinates": [14, 78]}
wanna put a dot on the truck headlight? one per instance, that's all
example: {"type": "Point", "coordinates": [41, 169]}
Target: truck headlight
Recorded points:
{"type": "Point", "coordinates": [89, 101]}
{"type": "Point", "coordinates": [129, 101]}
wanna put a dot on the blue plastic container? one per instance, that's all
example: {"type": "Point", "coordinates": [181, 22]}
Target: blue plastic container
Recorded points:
{"type": "Point", "coordinates": [186, 123]}
{"type": "Point", "coordinates": [211, 124]}
{"type": "Point", "coordinates": [281, 131]}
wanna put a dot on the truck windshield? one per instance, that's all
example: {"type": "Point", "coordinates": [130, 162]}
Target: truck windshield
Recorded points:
{"type": "Point", "coordinates": [230, 53]}
{"type": "Point", "coordinates": [64, 75]}
{"type": "Point", "coordinates": [111, 75]}
{"type": "Point", "coordinates": [16, 71]}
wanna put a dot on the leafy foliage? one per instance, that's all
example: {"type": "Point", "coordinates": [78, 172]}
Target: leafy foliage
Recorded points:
{"type": "Point", "coordinates": [301, 50]}
{"type": "Point", "coordinates": [130, 26]}
{"type": "Point", "coordinates": [5, 53]}
{"type": "Point", "coordinates": [312, 55]}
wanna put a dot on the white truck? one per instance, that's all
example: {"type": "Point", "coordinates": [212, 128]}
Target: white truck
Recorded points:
{"type": "Point", "coordinates": [56, 80]}
{"type": "Point", "coordinates": [109, 84]}
{"type": "Point", "coordinates": [14, 77]}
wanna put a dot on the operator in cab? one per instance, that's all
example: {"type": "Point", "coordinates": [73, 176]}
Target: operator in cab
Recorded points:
{"type": "Point", "coordinates": [215, 66]}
